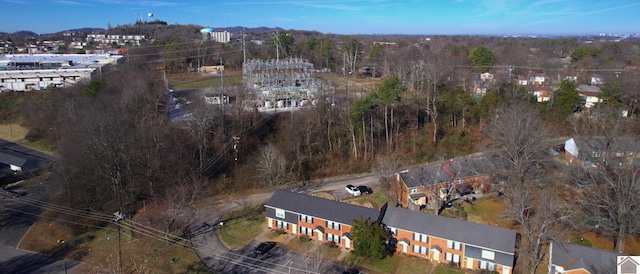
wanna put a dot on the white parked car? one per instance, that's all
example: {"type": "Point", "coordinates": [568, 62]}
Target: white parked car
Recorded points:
{"type": "Point", "coordinates": [353, 190]}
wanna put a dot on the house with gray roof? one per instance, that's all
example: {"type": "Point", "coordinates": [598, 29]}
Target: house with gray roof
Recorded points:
{"type": "Point", "coordinates": [416, 188]}
{"type": "Point", "coordinates": [574, 258]}
{"type": "Point", "coordinates": [447, 240]}
{"type": "Point", "coordinates": [18, 161]}
{"type": "Point", "coordinates": [593, 151]}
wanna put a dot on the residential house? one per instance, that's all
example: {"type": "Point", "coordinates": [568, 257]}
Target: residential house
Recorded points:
{"type": "Point", "coordinates": [542, 94]}
{"type": "Point", "coordinates": [417, 187]}
{"type": "Point", "coordinates": [447, 240]}
{"type": "Point", "coordinates": [594, 151]}
{"type": "Point", "coordinates": [486, 77]}
{"type": "Point", "coordinates": [320, 219]}
{"type": "Point", "coordinates": [590, 94]}
{"type": "Point", "coordinates": [17, 161]}
{"type": "Point", "coordinates": [539, 80]}
{"type": "Point", "coordinates": [570, 258]}
{"type": "Point", "coordinates": [523, 81]}
{"type": "Point", "coordinates": [431, 237]}
{"type": "Point", "coordinates": [571, 78]}
{"type": "Point", "coordinates": [597, 80]}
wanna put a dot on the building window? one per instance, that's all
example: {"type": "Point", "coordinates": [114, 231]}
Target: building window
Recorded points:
{"type": "Point", "coordinates": [413, 190]}
{"type": "Point", "coordinates": [394, 231]}
{"type": "Point", "coordinates": [489, 255]}
{"type": "Point", "coordinates": [333, 225]}
{"type": "Point", "coordinates": [454, 245]}
{"type": "Point", "coordinates": [487, 265]}
{"type": "Point", "coordinates": [279, 213]}
{"type": "Point", "coordinates": [420, 249]}
{"type": "Point", "coordinates": [452, 257]}
{"type": "Point", "coordinates": [306, 231]}
{"type": "Point", "coordinates": [420, 237]}
{"type": "Point", "coordinates": [282, 224]}
{"type": "Point", "coordinates": [333, 238]}
{"type": "Point", "coordinates": [307, 219]}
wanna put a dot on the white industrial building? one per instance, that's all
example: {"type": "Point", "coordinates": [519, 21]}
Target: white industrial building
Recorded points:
{"type": "Point", "coordinates": [218, 36]}
{"type": "Point", "coordinates": [24, 72]}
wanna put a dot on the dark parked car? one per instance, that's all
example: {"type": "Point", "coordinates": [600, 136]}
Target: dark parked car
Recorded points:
{"type": "Point", "coordinates": [351, 271]}
{"type": "Point", "coordinates": [265, 247]}
{"type": "Point", "coordinates": [365, 190]}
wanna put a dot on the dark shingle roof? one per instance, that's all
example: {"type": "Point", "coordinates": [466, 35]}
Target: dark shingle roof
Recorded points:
{"type": "Point", "coordinates": [574, 256]}
{"type": "Point", "coordinates": [447, 171]}
{"type": "Point", "coordinates": [322, 208]}
{"type": "Point", "coordinates": [24, 161]}
{"type": "Point", "coordinates": [487, 236]}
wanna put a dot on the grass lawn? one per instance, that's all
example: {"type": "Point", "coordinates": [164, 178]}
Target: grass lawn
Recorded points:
{"type": "Point", "coordinates": [375, 200]}
{"type": "Point", "coordinates": [581, 241]}
{"type": "Point", "coordinates": [486, 211]}
{"type": "Point", "coordinates": [16, 133]}
{"type": "Point", "coordinates": [97, 249]}
{"type": "Point", "coordinates": [398, 264]}
{"type": "Point", "coordinates": [242, 226]}
{"type": "Point", "coordinates": [301, 244]}
{"type": "Point", "coordinates": [212, 81]}
{"type": "Point", "coordinates": [444, 270]}
{"type": "Point", "coordinates": [324, 195]}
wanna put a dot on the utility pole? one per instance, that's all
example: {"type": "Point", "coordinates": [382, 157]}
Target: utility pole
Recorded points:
{"type": "Point", "coordinates": [119, 217]}
{"type": "Point", "coordinates": [244, 48]}
{"type": "Point", "coordinates": [510, 68]}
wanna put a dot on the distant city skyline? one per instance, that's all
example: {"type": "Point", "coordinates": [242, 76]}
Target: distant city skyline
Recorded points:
{"type": "Point", "coordinates": [427, 17]}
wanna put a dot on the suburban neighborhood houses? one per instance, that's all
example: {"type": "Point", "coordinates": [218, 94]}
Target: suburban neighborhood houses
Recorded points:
{"type": "Point", "coordinates": [151, 147]}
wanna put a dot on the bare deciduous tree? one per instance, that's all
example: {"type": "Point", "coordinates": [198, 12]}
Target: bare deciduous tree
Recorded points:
{"type": "Point", "coordinates": [272, 165]}
{"type": "Point", "coordinates": [518, 148]}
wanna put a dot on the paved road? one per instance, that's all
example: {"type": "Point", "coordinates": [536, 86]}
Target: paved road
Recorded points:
{"type": "Point", "coordinates": [22, 216]}
{"type": "Point", "coordinates": [220, 259]}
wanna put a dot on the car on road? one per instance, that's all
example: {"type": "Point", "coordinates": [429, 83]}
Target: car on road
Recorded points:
{"type": "Point", "coordinates": [365, 190]}
{"type": "Point", "coordinates": [353, 190]}
{"type": "Point", "coordinates": [263, 248]}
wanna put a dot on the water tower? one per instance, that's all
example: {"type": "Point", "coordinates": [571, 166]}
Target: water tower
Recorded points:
{"type": "Point", "coordinates": [206, 33]}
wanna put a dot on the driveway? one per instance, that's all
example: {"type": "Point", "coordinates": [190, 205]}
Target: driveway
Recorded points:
{"type": "Point", "coordinates": [279, 260]}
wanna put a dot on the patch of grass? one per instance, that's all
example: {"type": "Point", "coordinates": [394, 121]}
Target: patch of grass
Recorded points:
{"type": "Point", "coordinates": [324, 195]}
{"type": "Point", "coordinates": [399, 264]}
{"type": "Point", "coordinates": [41, 146]}
{"type": "Point", "coordinates": [213, 81]}
{"type": "Point", "coordinates": [43, 237]}
{"type": "Point", "coordinates": [412, 265]}
{"type": "Point", "coordinates": [581, 241]}
{"type": "Point", "coordinates": [486, 211]}
{"type": "Point", "coordinates": [375, 200]}
{"type": "Point", "coordinates": [444, 270]}
{"type": "Point", "coordinates": [301, 244]}
{"type": "Point", "coordinates": [13, 132]}
{"type": "Point", "coordinates": [242, 226]}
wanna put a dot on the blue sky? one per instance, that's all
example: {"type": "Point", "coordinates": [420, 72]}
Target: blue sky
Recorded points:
{"type": "Point", "coordinates": [448, 17]}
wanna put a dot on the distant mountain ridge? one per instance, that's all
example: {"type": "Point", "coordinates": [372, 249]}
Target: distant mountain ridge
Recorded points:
{"type": "Point", "coordinates": [240, 29]}
{"type": "Point", "coordinates": [234, 30]}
